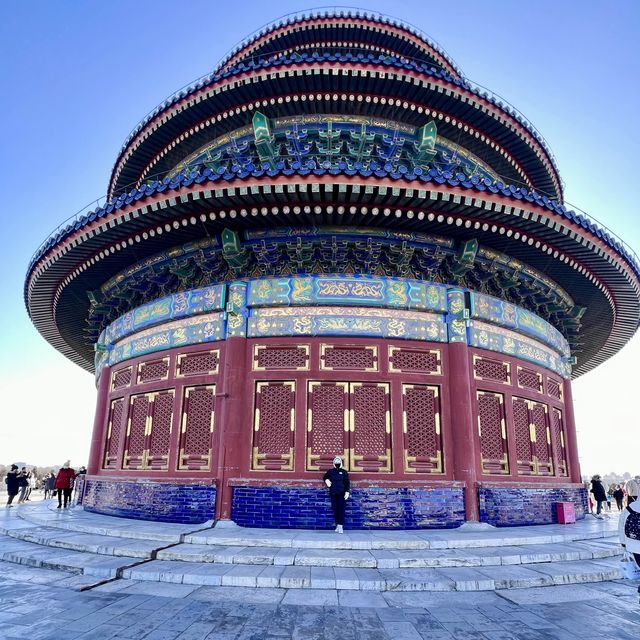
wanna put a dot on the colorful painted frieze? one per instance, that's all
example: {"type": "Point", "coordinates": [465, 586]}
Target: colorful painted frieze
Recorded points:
{"type": "Point", "coordinates": [505, 314]}
{"type": "Point", "coordinates": [202, 328]}
{"type": "Point", "coordinates": [174, 307]}
{"type": "Point", "coordinates": [348, 321]}
{"type": "Point", "coordinates": [456, 317]}
{"type": "Point", "coordinates": [493, 338]}
{"type": "Point", "coordinates": [236, 309]}
{"type": "Point", "coordinates": [348, 290]}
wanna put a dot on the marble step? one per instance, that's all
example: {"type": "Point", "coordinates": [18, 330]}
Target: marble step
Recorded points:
{"type": "Point", "coordinates": [482, 536]}
{"type": "Point", "coordinates": [371, 579]}
{"type": "Point", "coordinates": [52, 577]}
{"type": "Point", "coordinates": [392, 559]}
{"type": "Point", "coordinates": [78, 520]}
{"type": "Point", "coordinates": [86, 542]}
{"type": "Point", "coordinates": [74, 562]}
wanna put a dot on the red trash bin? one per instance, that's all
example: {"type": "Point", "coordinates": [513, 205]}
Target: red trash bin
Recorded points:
{"type": "Point", "coordinates": [566, 512]}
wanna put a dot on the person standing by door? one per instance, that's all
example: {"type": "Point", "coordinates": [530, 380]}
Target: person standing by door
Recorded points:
{"type": "Point", "coordinates": [64, 483]}
{"type": "Point", "coordinates": [599, 494]}
{"type": "Point", "coordinates": [337, 480]}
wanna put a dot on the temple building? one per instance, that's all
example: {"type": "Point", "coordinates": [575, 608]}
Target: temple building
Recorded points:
{"type": "Point", "coordinates": [334, 244]}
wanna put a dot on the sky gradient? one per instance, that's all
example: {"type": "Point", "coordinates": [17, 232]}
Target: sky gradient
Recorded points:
{"type": "Point", "coordinates": [76, 77]}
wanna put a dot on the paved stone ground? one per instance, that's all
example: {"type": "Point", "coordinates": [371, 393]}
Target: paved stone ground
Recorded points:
{"type": "Point", "coordinates": [32, 607]}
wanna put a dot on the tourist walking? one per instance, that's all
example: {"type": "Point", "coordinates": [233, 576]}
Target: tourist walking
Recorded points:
{"type": "Point", "coordinates": [32, 478]}
{"type": "Point", "coordinates": [23, 483]}
{"type": "Point", "coordinates": [11, 480]}
{"type": "Point", "coordinates": [64, 484]}
{"type": "Point", "coordinates": [50, 485]}
{"type": "Point", "coordinates": [618, 496]}
{"type": "Point", "coordinates": [78, 485]}
{"type": "Point", "coordinates": [599, 494]}
{"type": "Point", "coordinates": [337, 480]}
{"type": "Point", "coordinates": [632, 487]}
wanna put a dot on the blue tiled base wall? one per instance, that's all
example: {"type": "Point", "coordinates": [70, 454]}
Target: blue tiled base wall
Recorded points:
{"type": "Point", "coordinates": [367, 508]}
{"type": "Point", "coordinates": [159, 501]}
{"type": "Point", "coordinates": [510, 506]}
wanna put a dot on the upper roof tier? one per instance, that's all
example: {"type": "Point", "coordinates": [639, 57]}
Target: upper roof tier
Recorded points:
{"type": "Point", "coordinates": [345, 63]}
{"type": "Point", "coordinates": [343, 119]}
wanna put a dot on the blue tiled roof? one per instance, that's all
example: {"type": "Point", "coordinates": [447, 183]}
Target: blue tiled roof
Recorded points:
{"type": "Point", "coordinates": [433, 175]}
{"type": "Point", "coordinates": [254, 64]}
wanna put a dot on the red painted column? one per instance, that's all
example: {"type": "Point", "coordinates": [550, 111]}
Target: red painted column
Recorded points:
{"type": "Point", "coordinates": [99, 421]}
{"type": "Point", "coordinates": [465, 456]}
{"type": "Point", "coordinates": [235, 436]}
{"type": "Point", "coordinates": [570, 433]}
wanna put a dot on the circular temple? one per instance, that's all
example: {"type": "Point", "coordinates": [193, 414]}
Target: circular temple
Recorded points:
{"type": "Point", "coordinates": [334, 244]}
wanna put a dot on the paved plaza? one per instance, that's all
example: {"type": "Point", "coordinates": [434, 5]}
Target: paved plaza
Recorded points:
{"type": "Point", "coordinates": [35, 604]}
{"type": "Point", "coordinates": [74, 574]}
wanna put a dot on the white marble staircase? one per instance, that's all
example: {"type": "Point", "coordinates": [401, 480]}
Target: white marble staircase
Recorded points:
{"type": "Point", "coordinates": [98, 549]}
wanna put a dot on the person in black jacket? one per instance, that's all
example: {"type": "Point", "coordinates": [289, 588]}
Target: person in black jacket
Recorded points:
{"type": "Point", "coordinates": [12, 484]}
{"type": "Point", "coordinates": [618, 494]}
{"type": "Point", "coordinates": [599, 493]}
{"type": "Point", "coordinates": [23, 482]}
{"type": "Point", "coordinates": [337, 480]}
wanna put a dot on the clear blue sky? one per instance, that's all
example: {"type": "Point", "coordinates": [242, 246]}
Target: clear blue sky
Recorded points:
{"type": "Point", "coordinates": [76, 77]}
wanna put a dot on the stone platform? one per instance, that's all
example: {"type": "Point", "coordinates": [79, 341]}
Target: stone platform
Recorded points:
{"type": "Point", "coordinates": [93, 549]}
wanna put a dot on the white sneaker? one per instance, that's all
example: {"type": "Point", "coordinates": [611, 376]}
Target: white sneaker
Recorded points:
{"type": "Point", "coordinates": [339, 529]}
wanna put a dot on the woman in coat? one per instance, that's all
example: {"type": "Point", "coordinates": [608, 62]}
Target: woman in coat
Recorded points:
{"type": "Point", "coordinates": [23, 482]}
{"type": "Point", "coordinates": [50, 485]}
{"type": "Point", "coordinates": [64, 484]}
{"type": "Point", "coordinates": [12, 483]}
{"type": "Point", "coordinates": [599, 494]}
{"type": "Point", "coordinates": [618, 494]}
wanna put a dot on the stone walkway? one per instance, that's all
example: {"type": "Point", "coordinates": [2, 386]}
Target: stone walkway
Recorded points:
{"type": "Point", "coordinates": [63, 574]}
{"type": "Point", "coordinates": [35, 606]}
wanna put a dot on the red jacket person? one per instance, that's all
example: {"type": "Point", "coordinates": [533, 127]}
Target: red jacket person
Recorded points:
{"type": "Point", "coordinates": [64, 483]}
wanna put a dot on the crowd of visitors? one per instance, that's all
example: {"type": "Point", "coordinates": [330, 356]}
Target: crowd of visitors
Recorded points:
{"type": "Point", "coordinates": [21, 482]}
{"type": "Point", "coordinates": [601, 498]}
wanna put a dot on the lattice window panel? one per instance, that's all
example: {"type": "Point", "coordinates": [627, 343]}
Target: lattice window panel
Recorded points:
{"type": "Point", "coordinates": [160, 431]}
{"type": "Point", "coordinates": [199, 363]}
{"type": "Point", "coordinates": [135, 444]}
{"type": "Point", "coordinates": [197, 426]}
{"type": "Point", "coordinates": [349, 358]}
{"type": "Point", "coordinates": [276, 358]}
{"type": "Point", "coordinates": [327, 423]}
{"type": "Point", "coordinates": [274, 426]}
{"type": "Point", "coordinates": [414, 360]}
{"type": "Point", "coordinates": [370, 427]}
{"type": "Point", "coordinates": [492, 432]}
{"type": "Point", "coordinates": [528, 379]}
{"type": "Point", "coordinates": [121, 379]}
{"type": "Point", "coordinates": [557, 440]}
{"type": "Point", "coordinates": [487, 369]}
{"type": "Point", "coordinates": [524, 441]}
{"type": "Point", "coordinates": [554, 388]}
{"type": "Point", "coordinates": [421, 429]}
{"type": "Point", "coordinates": [533, 438]}
{"type": "Point", "coordinates": [153, 370]}
{"type": "Point", "coordinates": [542, 446]}
{"type": "Point", "coordinates": [115, 433]}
